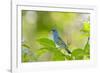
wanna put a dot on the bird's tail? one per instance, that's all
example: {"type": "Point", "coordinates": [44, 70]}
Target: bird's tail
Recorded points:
{"type": "Point", "coordinates": [69, 52]}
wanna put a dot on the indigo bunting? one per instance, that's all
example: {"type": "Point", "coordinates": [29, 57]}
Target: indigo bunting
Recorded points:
{"type": "Point", "coordinates": [57, 39]}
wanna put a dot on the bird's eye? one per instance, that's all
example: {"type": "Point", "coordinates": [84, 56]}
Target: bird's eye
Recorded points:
{"type": "Point", "coordinates": [52, 30]}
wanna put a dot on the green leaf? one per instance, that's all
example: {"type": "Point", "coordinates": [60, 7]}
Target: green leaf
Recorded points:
{"type": "Point", "coordinates": [57, 55]}
{"type": "Point", "coordinates": [27, 55]}
{"type": "Point", "coordinates": [78, 54]}
{"type": "Point", "coordinates": [87, 50]}
{"type": "Point", "coordinates": [68, 57]}
{"type": "Point", "coordinates": [25, 45]}
{"type": "Point", "coordinates": [46, 42]}
{"type": "Point", "coordinates": [86, 27]}
{"type": "Point", "coordinates": [41, 51]}
{"type": "Point", "coordinates": [55, 52]}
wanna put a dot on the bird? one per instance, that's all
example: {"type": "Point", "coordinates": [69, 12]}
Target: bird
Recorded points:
{"type": "Point", "coordinates": [58, 41]}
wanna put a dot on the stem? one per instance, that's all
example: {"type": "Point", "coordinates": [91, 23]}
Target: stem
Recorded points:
{"type": "Point", "coordinates": [87, 42]}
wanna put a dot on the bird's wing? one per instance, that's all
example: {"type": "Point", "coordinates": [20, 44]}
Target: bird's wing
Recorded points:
{"type": "Point", "coordinates": [61, 42]}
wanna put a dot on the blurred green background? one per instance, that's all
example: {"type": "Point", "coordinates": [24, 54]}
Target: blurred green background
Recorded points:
{"type": "Point", "coordinates": [73, 28]}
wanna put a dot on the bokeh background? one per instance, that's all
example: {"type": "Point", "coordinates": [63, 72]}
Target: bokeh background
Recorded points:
{"type": "Point", "coordinates": [72, 27]}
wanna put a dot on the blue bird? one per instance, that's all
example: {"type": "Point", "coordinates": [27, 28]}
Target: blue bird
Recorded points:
{"type": "Point", "coordinates": [57, 39]}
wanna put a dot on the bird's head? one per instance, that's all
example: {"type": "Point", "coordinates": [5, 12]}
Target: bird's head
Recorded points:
{"type": "Point", "coordinates": [54, 30]}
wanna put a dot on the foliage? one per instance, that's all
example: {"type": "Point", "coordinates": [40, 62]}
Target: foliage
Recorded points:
{"type": "Point", "coordinates": [86, 28]}
{"type": "Point", "coordinates": [49, 45]}
{"type": "Point", "coordinates": [77, 54]}
{"type": "Point", "coordinates": [46, 42]}
{"type": "Point", "coordinates": [27, 55]}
